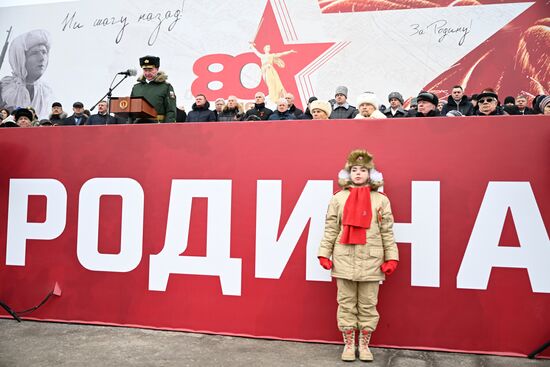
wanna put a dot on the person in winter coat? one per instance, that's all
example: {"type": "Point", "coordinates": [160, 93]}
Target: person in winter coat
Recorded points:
{"type": "Point", "coordinates": [521, 104]}
{"type": "Point", "coordinates": [458, 101]}
{"type": "Point", "coordinates": [359, 238]}
{"type": "Point", "coordinates": [219, 104]}
{"type": "Point", "coordinates": [427, 105]}
{"type": "Point", "coordinates": [78, 118]}
{"type": "Point", "coordinates": [341, 109]}
{"type": "Point", "coordinates": [487, 102]}
{"type": "Point", "coordinates": [232, 111]}
{"type": "Point", "coordinates": [320, 110]}
{"type": "Point", "coordinates": [57, 115]}
{"type": "Point", "coordinates": [510, 106]}
{"type": "Point", "coordinates": [24, 117]}
{"type": "Point", "coordinates": [307, 113]}
{"type": "Point", "coordinates": [200, 111]}
{"type": "Point", "coordinates": [544, 105]}
{"type": "Point", "coordinates": [536, 104]}
{"type": "Point", "coordinates": [259, 109]}
{"type": "Point", "coordinates": [292, 107]}
{"type": "Point", "coordinates": [368, 107]}
{"type": "Point", "coordinates": [282, 112]}
{"type": "Point", "coordinates": [102, 116]}
{"type": "Point", "coordinates": [396, 106]}
{"type": "Point", "coordinates": [154, 87]}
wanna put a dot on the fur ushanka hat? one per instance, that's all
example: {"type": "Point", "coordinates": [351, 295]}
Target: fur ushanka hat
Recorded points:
{"type": "Point", "coordinates": [23, 112]}
{"type": "Point", "coordinates": [321, 105]}
{"type": "Point", "coordinates": [362, 158]}
{"type": "Point", "coordinates": [368, 98]}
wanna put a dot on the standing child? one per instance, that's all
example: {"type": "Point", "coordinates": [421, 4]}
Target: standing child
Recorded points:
{"type": "Point", "coordinates": [359, 238]}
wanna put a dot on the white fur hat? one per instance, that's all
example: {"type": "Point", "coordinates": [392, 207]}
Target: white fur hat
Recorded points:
{"type": "Point", "coordinates": [321, 105]}
{"type": "Point", "coordinates": [369, 98]}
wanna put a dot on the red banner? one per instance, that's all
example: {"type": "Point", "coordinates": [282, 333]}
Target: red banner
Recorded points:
{"type": "Point", "coordinates": [521, 66]}
{"type": "Point", "coordinates": [215, 227]}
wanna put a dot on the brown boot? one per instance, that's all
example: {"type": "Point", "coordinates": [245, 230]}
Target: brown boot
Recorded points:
{"type": "Point", "coordinates": [349, 345]}
{"type": "Point", "coordinates": [364, 351]}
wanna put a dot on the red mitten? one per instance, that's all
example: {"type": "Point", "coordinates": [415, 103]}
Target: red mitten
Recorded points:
{"type": "Point", "coordinates": [325, 263]}
{"type": "Point", "coordinates": [389, 267]}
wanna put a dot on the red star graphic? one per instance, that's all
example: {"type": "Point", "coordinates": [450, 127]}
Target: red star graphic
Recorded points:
{"type": "Point", "coordinates": [269, 34]}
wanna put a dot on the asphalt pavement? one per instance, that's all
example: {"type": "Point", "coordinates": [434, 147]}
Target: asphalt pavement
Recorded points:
{"type": "Point", "coordinates": [30, 344]}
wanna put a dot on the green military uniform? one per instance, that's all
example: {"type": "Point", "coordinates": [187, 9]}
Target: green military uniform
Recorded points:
{"type": "Point", "coordinates": [158, 91]}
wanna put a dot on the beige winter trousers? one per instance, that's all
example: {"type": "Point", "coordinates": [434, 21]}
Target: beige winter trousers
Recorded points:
{"type": "Point", "coordinates": [357, 304]}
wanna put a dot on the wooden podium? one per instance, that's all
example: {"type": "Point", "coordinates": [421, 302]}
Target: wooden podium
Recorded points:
{"type": "Point", "coordinates": [134, 107]}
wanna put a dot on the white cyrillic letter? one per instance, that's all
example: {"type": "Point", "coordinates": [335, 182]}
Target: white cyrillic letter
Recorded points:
{"type": "Point", "coordinates": [19, 230]}
{"type": "Point", "coordinates": [131, 234]}
{"type": "Point", "coordinates": [422, 233]}
{"type": "Point", "coordinates": [271, 254]}
{"type": "Point", "coordinates": [483, 251]}
{"type": "Point", "coordinates": [218, 237]}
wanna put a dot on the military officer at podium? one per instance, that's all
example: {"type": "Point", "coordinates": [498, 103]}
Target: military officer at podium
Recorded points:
{"type": "Point", "coordinates": [152, 86]}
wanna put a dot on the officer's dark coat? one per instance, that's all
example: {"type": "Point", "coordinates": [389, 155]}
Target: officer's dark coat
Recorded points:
{"type": "Point", "coordinates": [159, 93]}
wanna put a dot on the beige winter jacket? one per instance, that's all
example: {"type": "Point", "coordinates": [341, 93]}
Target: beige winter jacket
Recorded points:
{"type": "Point", "coordinates": [359, 262]}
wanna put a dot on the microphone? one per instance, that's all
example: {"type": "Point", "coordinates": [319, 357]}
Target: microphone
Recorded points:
{"type": "Point", "coordinates": [129, 72]}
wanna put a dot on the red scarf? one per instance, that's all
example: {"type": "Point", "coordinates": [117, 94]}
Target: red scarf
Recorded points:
{"type": "Point", "coordinates": [357, 216]}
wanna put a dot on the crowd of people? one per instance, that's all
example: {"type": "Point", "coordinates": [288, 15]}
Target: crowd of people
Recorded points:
{"type": "Point", "coordinates": [153, 86]}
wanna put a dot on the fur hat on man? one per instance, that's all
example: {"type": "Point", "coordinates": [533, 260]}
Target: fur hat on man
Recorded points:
{"type": "Point", "coordinates": [369, 98]}
{"type": "Point", "coordinates": [321, 105]}
{"type": "Point", "coordinates": [149, 62]}
{"type": "Point", "coordinates": [341, 90]}
{"type": "Point", "coordinates": [23, 112]}
{"type": "Point", "coordinates": [428, 97]}
{"type": "Point", "coordinates": [362, 158]}
{"type": "Point", "coordinates": [397, 96]}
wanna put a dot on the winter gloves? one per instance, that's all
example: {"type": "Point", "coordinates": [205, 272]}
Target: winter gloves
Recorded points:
{"type": "Point", "coordinates": [325, 263]}
{"type": "Point", "coordinates": [389, 267]}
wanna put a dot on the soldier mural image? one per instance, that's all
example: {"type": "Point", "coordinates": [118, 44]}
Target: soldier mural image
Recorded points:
{"type": "Point", "coordinates": [28, 57]}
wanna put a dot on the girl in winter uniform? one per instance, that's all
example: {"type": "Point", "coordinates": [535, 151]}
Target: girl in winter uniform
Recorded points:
{"type": "Point", "coordinates": [359, 238]}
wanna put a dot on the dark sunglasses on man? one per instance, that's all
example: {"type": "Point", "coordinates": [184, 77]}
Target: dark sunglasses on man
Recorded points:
{"type": "Point", "coordinates": [488, 100]}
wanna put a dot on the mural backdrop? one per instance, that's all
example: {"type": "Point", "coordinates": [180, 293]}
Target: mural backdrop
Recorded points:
{"type": "Point", "coordinates": [305, 47]}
